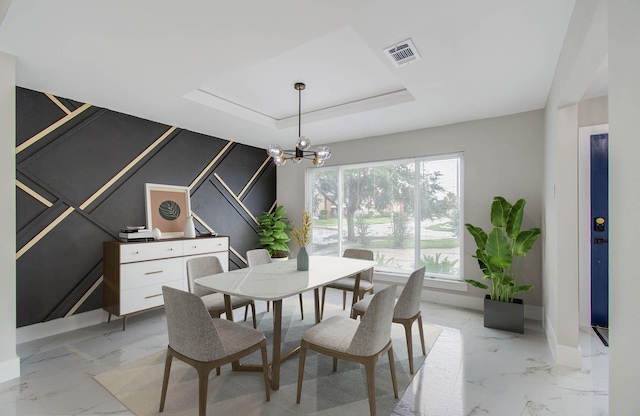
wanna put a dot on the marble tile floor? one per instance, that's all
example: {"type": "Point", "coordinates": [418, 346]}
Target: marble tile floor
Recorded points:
{"type": "Point", "coordinates": [471, 370]}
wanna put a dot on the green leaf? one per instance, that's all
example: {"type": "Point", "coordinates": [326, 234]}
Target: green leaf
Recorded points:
{"type": "Point", "coordinates": [499, 249]}
{"type": "Point", "coordinates": [525, 241]}
{"type": "Point", "coordinates": [499, 211]}
{"type": "Point", "coordinates": [478, 235]}
{"type": "Point", "coordinates": [476, 284]}
{"type": "Point", "coordinates": [522, 288]}
{"type": "Point", "coordinates": [514, 221]}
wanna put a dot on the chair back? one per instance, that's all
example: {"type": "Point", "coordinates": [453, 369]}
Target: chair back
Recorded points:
{"type": "Point", "coordinates": [200, 267]}
{"type": "Point", "coordinates": [408, 304]}
{"type": "Point", "coordinates": [374, 331]}
{"type": "Point", "coordinates": [355, 253]}
{"type": "Point", "coordinates": [258, 256]}
{"type": "Point", "coordinates": [190, 327]}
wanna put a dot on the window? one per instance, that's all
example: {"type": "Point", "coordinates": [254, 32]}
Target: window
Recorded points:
{"type": "Point", "coordinates": [406, 211]}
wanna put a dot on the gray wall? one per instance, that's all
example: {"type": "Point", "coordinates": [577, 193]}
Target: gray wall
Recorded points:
{"type": "Point", "coordinates": [9, 362]}
{"type": "Point", "coordinates": [502, 156]}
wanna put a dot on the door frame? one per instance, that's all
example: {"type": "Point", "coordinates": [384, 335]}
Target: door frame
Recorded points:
{"type": "Point", "coordinates": [584, 219]}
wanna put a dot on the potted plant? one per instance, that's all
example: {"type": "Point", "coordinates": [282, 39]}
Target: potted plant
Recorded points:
{"type": "Point", "coordinates": [499, 254]}
{"type": "Point", "coordinates": [272, 229]}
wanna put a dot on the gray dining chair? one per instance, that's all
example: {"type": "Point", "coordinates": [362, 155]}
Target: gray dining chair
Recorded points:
{"type": "Point", "coordinates": [406, 311]}
{"type": "Point", "coordinates": [204, 342]}
{"type": "Point", "coordinates": [363, 342]}
{"type": "Point", "coordinates": [205, 266]}
{"type": "Point", "coordinates": [348, 284]}
{"type": "Point", "coordinates": [261, 256]}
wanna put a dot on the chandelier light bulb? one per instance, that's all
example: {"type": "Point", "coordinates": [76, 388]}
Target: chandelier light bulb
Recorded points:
{"type": "Point", "coordinates": [303, 143]}
{"type": "Point", "coordinates": [279, 161]}
{"type": "Point", "coordinates": [323, 153]}
{"type": "Point", "coordinates": [274, 151]}
{"type": "Point", "coordinates": [318, 162]}
{"type": "Point", "coordinates": [297, 160]}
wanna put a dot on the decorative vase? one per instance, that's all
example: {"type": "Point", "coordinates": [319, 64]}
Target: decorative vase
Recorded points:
{"type": "Point", "coordinates": [303, 259]}
{"type": "Point", "coordinates": [189, 228]}
{"type": "Point", "coordinates": [157, 234]}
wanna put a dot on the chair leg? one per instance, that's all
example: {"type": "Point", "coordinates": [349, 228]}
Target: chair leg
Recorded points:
{"type": "Point", "coordinates": [392, 367]}
{"type": "Point", "coordinates": [424, 352]}
{"type": "Point", "coordinates": [246, 312]}
{"type": "Point", "coordinates": [253, 314]}
{"type": "Point", "coordinates": [268, 303]}
{"type": "Point", "coordinates": [303, 355]}
{"type": "Point", "coordinates": [301, 308]}
{"type": "Point", "coordinates": [203, 385]}
{"type": "Point", "coordinates": [344, 300]}
{"type": "Point", "coordinates": [165, 380]}
{"type": "Point", "coordinates": [370, 367]}
{"type": "Point", "coordinates": [407, 334]}
{"type": "Point", "coordinates": [335, 364]}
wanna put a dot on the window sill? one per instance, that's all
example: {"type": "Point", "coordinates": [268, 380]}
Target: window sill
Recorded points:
{"type": "Point", "coordinates": [429, 282]}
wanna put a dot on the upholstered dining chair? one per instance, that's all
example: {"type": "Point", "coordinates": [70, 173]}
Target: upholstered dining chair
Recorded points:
{"type": "Point", "coordinates": [349, 283]}
{"type": "Point", "coordinates": [363, 341]}
{"type": "Point", "coordinates": [204, 342]}
{"type": "Point", "coordinates": [406, 311]}
{"type": "Point", "coordinates": [261, 256]}
{"type": "Point", "coordinates": [205, 266]}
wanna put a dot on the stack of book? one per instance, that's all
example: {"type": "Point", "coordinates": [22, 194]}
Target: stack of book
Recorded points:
{"type": "Point", "coordinates": [137, 233]}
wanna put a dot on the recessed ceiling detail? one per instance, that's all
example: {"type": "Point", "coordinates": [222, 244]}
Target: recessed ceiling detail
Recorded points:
{"type": "Point", "coordinates": [402, 53]}
{"type": "Point", "coordinates": [353, 107]}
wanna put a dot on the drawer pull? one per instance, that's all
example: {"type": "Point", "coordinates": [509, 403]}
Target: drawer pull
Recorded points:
{"type": "Point", "coordinates": [153, 296]}
{"type": "Point", "coordinates": [155, 272]}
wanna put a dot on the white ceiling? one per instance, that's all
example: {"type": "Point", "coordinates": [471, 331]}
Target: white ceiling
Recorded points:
{"type": "Point", "coordinates": [227, 69]}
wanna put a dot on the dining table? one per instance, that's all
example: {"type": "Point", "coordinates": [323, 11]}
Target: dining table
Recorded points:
{"type": "Point", "coordinates": [279, 280]}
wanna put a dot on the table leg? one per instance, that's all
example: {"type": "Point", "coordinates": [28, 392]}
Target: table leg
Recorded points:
{"type": "Point", "coordinates": [316, 297]}
{"type": "Point", "coordinates": [235, 365]}
{"type": "Point", "coordinates": [277, 344]}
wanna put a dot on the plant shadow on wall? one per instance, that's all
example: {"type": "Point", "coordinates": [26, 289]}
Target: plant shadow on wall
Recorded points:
{"type": "Point", "coordinates": [499, 254]}
{"type": "Point", "coordinates": [272, 229]}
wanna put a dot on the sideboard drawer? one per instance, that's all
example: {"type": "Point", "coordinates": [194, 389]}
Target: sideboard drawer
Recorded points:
{"type": "Point", "coordinates": [148, 251]}
{"type": "Point", "coordinates": [146, 273]}
{"type": "Point", "coordinates": [146, 297]}
{"type": "Point", "coordinates": [205, 245]}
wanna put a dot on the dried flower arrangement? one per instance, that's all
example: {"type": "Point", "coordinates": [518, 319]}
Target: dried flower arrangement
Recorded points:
{"type": "Point", "coordinates": [301, 236]}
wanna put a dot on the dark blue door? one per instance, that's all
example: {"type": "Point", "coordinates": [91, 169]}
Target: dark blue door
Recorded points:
{"type": "Point", "coordinates": [600, 230]}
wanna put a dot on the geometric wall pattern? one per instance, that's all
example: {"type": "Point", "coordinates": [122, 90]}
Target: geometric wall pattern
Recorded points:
{"type": "Point", "coordinates": [80, 176]}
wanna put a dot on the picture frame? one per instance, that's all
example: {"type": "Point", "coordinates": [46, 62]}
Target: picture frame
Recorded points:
{"type": "Point", "coordinates": [167, 208]}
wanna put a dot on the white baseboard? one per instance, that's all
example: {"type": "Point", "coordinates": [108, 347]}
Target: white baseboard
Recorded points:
{"type": "Point", "coordinates": [9, 369]}
{"type": "Point", "coordinates": [60, 325]}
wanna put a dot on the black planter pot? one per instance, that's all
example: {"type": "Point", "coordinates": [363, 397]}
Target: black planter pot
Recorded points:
{"type": "Point", "coordinates": [504, 315]}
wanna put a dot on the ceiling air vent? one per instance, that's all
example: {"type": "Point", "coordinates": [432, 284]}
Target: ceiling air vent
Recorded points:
{"type": "Point", "coordinates": [402, 53]}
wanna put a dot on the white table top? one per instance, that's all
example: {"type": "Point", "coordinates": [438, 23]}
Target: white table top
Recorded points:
{"type": "Point", "coordinates": [281, 279]}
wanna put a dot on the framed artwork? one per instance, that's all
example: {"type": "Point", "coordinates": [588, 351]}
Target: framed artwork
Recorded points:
{"type": "Point", "coordinates": [168, 207]}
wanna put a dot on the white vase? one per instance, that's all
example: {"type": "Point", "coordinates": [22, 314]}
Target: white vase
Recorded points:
{"type": "Point", "coordinates": [157, 234]}
{"type": "Point", "coordinates": [189, 228]}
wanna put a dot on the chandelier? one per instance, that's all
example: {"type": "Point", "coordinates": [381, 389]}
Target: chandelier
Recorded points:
{"type": "Point", "coordinates": [301, 151]}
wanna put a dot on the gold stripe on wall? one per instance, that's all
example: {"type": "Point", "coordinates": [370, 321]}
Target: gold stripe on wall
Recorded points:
{"type": "Point", "coordinates": [34, 194]}
{"type": "Point", "coordinates": [255, 175]}
{"type": "Point", "coordinates": [43, 233]}
{"type": "Point", "coordinates": [84, 297]}
{"type": "Point", "coordinates": [235, 197]}
{"type": "Point", "coordinates": [233, 250]}
{"type": "Point", "coordinates": [58, 103]}
{"type": "Point", "coordinates": [127, 168]}
{"type": "Point", "coordinates": [51, 128]}
{"type": "Point", "coordinates": [204, 224]}
{"type": "Point", "coordinates": [205, 170]}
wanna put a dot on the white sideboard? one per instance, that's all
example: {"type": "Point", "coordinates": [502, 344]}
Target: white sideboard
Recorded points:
{"type": "Point", "coordinates": [134, 273]}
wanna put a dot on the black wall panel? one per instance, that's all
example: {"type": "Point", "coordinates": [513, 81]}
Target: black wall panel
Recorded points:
{"type": "Point", "coordinates": [83, 181]}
